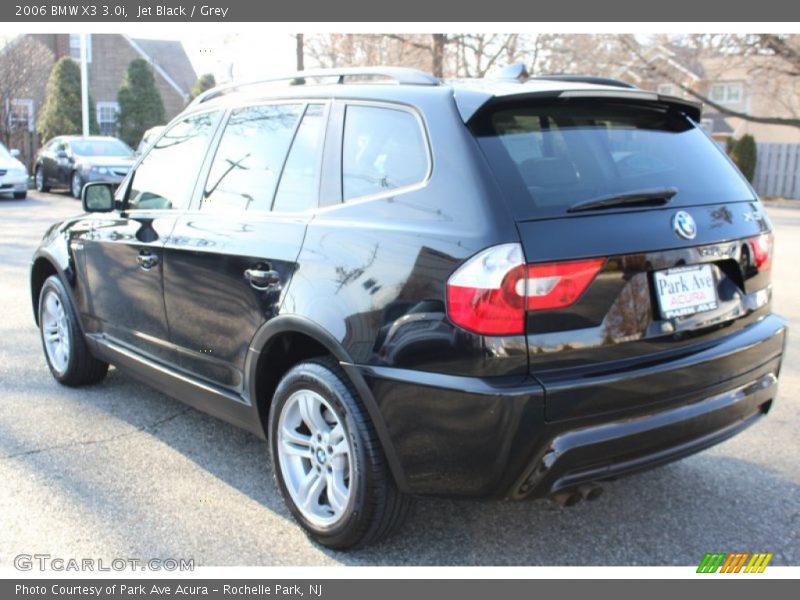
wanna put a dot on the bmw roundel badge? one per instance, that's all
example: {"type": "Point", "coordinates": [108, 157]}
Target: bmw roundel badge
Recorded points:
{"type": "Point", "coordinates": [684, 225]}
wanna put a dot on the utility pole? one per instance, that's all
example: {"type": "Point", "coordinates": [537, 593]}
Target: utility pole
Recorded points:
{"type": "Point", "coordinates": [84, 84]}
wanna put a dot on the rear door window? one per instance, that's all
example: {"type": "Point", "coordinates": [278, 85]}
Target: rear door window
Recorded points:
{"type": "Point", "coordinates": [551, 156]}
{"type": "Point", "coordinates": [247, 165]}
{"type": "Point", "coordinates": [299, 186]}
{"type": "Point", "coordinates": [383, 150]}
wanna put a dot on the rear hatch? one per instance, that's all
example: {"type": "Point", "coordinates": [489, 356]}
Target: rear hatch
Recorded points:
{"type": "Point", "coordinates": [644, 246]}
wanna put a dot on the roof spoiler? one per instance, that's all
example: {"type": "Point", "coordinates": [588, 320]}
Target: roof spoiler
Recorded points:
{"type": "Point", "coordinates": [471, 102]}
{"type": "Point", "coordinates": [519, 72]}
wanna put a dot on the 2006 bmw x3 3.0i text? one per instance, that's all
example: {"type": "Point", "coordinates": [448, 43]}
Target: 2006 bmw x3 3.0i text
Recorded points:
{"type": "Point", "coordinates": [503, 288]}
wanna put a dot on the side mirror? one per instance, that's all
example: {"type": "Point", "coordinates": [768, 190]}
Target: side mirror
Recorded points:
{"type": "Point", "coordinates": [97, 197]}
{"type": "Point", "coordinates": [15, 153]}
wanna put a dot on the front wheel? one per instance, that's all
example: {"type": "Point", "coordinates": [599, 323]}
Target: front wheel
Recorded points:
{"type": "Point", "coordinates": [65, 348]}
{"type": "Point", "coordinates": [76, 185]}
{"type": "Point", "coordinates": [328, 461]}
{"type": "Point", "coordinates": [40, 181]}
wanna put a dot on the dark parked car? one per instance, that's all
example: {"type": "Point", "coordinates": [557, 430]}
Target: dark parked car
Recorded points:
{"type": "Point", "coordinates": [499, 289]}
{"type": "Point", "coordinates": [73, 161]}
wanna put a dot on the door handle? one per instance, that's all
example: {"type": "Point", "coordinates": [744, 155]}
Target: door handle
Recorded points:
{"type": "Point", "coordinates": [146, 260]}
{"type": "Point", "coordinates": [261, 279]}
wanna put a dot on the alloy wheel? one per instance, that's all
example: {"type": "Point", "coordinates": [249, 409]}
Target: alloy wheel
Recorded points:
{"type": "Point", "coordinates": [77, 188]}
{"type": "Point", "coordinates": [55, 331]}
{"type": "Point", "coordinates": [315, 456]}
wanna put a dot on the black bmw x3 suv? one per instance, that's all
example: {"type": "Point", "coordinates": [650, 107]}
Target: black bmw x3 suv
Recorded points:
{"type": "Point", "coordinates": [509, 288]}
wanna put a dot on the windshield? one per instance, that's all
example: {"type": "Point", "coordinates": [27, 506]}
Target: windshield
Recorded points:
{"type": "Point", "coordinates": [551, 156]}
{"type": "Point", "coordinates": [110, 147]}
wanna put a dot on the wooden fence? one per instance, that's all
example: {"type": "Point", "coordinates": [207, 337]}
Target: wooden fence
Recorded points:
{"type": "Point", "coordinates": [778, 170]}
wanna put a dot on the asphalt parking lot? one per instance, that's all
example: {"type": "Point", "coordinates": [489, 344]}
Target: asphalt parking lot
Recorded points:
{"type": "Point", "coordinates": [119, 470]}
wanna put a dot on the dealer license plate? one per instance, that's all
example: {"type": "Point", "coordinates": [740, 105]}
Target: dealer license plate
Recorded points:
{"type": "Point", "coordinates": [685, 291]}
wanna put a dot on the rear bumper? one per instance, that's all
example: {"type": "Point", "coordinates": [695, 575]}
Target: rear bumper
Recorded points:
{"type": "Point", "coordinates": [464, 436]}
{"type": "Point", "coordinates": [616, 448]}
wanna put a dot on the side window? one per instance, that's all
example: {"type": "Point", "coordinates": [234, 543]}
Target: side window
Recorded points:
{"type": "Point", "coordinates": [383, 149]}
{"type": "Point", "coordinates": [250, 157]}
{"type": "Point", "coordinates": [298, 188]}
{"type": "Point", "coordinates": [166, 176]}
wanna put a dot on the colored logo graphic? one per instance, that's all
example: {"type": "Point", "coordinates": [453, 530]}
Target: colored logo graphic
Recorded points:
{"type": "Point", "coordinates": [736, 562]}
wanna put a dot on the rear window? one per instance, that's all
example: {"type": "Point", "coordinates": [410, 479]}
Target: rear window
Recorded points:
{"type": "Point", "coordinates": [100, 147]}
{"type": "Point", "coordinates": [549, 157]}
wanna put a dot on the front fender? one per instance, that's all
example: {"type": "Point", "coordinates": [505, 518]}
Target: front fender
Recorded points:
{"type": "Point", "coordinates": [56, 255]}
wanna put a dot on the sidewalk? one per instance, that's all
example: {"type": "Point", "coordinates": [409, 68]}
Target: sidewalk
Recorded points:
{"type": "Point", "coordinates": [780, 203]}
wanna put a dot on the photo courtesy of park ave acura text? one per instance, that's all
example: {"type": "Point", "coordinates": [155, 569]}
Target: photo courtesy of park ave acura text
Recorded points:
{"type": "Point", "coordinates": [274, 298]}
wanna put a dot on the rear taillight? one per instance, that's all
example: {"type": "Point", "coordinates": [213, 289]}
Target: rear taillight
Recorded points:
{"type": "Point", "coordinates": [761, 250]}
{"type": "Point", "coordinates": [559, 285]}
{"type": "Point", "coordinates": [490, 293]}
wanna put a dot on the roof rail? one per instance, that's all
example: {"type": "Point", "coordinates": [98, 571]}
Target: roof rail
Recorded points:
{"type": "Point", "coordinates": [400, 75]}
{"type": "Point", "coordinates": [585, 79]}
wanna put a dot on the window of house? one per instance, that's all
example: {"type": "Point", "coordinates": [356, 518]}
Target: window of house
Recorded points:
{"type": "Point", "coordinates": [166, 176]}
{"type": "Point", "coordinates": [727, 93]}
{"type": "Point", "coordinates": [299, 185]}
{"type": "Point", "coordinates": [249, 159]}
{"type": "Point", "coordinates": [383, 150]}
{"type": "Point", "coordinates": [107, 113]}
{"type": "Point", "coordinates": [20, 115]}
{"type": "Point", "coordinates": [75, 46]}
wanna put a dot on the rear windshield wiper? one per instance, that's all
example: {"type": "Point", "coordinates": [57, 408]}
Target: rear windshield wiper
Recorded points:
{"type": "Point", "coordinates": [650, 197]}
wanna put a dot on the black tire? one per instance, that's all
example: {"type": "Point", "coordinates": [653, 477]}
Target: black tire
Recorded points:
{"type": "Point", "coordinates": [376, 507]}
{"type": "Point", "coordinates": [39, 180]}
{"type": "Point", "coordinates": [75, 181]}
{"type": "Point", "coordinates": [81, 367]}
{"type": "Point", "coordinates": [20, 195]}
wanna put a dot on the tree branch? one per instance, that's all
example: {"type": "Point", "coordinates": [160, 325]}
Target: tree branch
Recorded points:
{"type": "Point", "coordinates": [653, 69]}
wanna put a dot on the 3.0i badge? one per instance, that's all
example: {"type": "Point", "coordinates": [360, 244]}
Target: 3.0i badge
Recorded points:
{"type": "Point", "coordinates": [683, 224]}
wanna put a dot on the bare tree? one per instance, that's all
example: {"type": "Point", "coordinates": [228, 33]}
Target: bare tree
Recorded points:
{"type": "Point", "coordinates": [358, 50]}
{"type": "Point", "coordinates": [445, 55]}
{"type": "Point", "coordinates": [438, 41]}
{"type": "Point", "coordinates": [772, 60]}
{"type": "Point", "coordinates": [299, 51]}
{"type": "Point", "coordinates": [476, 54]}
{"type": "Point", "coordinates": [24, 67]}
{"type": "Point", "coordinates": [787, 48]}
{"type": "Point", "coordinates": [433, 45]}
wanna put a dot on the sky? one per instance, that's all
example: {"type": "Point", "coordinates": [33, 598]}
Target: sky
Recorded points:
{"type": "Point", "coordinates": [240, 56]}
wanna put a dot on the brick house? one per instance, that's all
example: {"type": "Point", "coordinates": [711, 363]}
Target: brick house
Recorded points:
{"type": "Point", "coordinates": [108, 59]}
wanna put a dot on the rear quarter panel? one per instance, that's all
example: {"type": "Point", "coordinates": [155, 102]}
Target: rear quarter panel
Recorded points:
{"type": "Point", "coordinates": [373, 273]}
